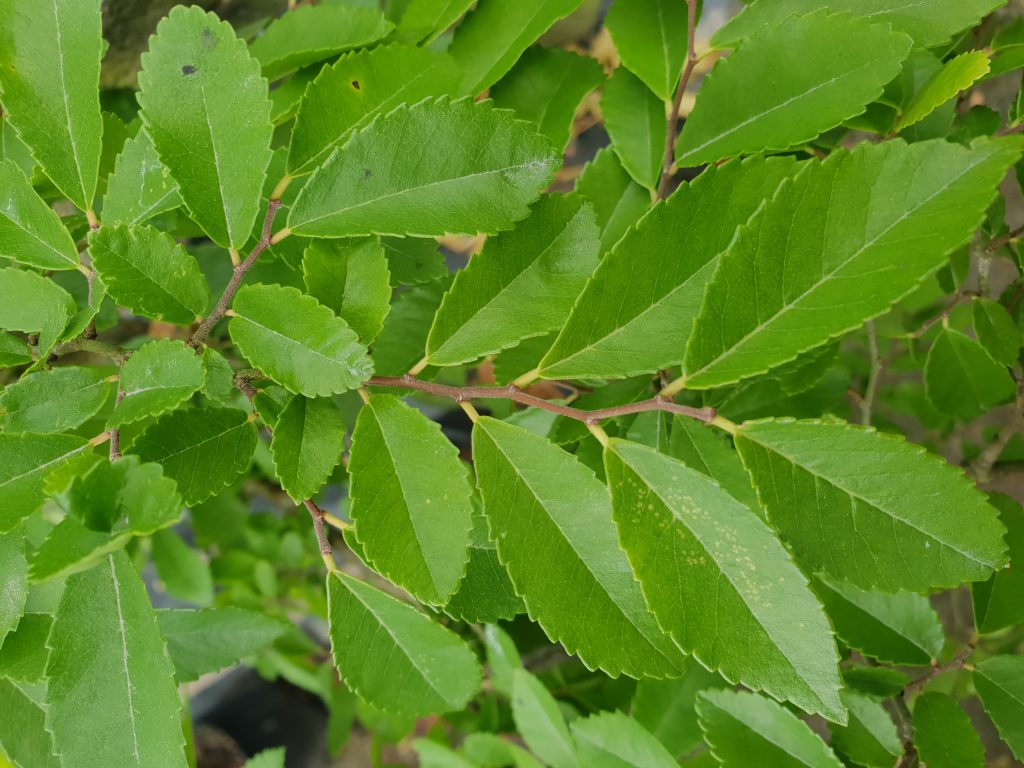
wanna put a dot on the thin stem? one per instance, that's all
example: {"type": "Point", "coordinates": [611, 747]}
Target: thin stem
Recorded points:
{"type": "Point", "coordinates": [668, 163]}
{"type": "Point", "coordinates": [867, 403]}
{"type": "Point", "coordinates": [945, 313]}
{"type": "Point", "coordinates": [321, 535]}
{"type": "Point", "coordinates": [957, 662]}
{"type": "Point", "coordinates": [1010, 237]}
{"type": "Point", "coordinates": [95, 346]}
{"type": "Point", "coordinates": [981, 467]}
{"type": "Point", "coordinates": [115, 434]}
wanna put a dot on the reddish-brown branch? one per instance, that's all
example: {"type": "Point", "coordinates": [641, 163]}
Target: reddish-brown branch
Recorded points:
{"type": "Point", "coordinates": [670, 134]}
{"type": "Point", "coordinates": [916, 685]}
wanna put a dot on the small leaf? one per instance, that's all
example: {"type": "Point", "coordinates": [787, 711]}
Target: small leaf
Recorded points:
{"type": "Point", "coordinates": [268, 758]}
{"type": "Point", "coordinates": [125, 495]}
{"type": "Point", "coordinates": [618, 200]}
{"type": "Point", "coordinates": [996, 331]}
{"type": "Point", "coordinates": [612, 740]}
{"type": "Point", "coordinates": [24, 656]}
{"type": "Point", "coordinates": [635, 121]}
{"type": "Point", "coordinates": [961, 380]}
{"type": "Point", "coordinates": [30, 232]}
{"type": "Point", "coordinates": [297, 342]}
{"type": "Point", "coordinates": [53, 401]}
{"type": "Point", "coordinates": [540, 722]}
{"type": "Point", "coordinates": [105, 646]}
{"type": "Point", "coordinates": [944, 735]}
{"type": "Point", "coordinates": [999, 681]}
{"type": "Point", "coordinates": [424, 20]}
{"type": "Point", "coordinates": [13, 583]}
{"type": "Point", "coordinates": [870, 509]}
{"type": "Point", "coordinates": [870, 738]}
{"type": "Point", "coordinates": [140, 186]}
{"type": "Point", "coordinates": [202, 449]}
{"type": "Point", "coordinates": [351, 278]}
{"type": "Point", "coordinates": [999, 602]}
{"type": "Point", "coordinates": [31, 303]}
{"type": "Point", "coordinates": [72, 548]}
{"type": "Point", "coordinates": [502, 658]}
{"type": "Point", "coordinates": [412, 261]}
{"type": "Point", "coordinates": [197, 81]}
{"type": "Point", "coordinates": [23, 734]}
{"type": "Point", "coordinates": [667, 708]}
{"type": "Point", "coordinates": [434, 168]}
{"type": "Point", "coordinates": [184, 573]}
{"type": "Point", "coordinates": [25, 462]}
{"type": "Point", "coordinates": [158, 378]}
{"type": "Point", "coordinates": [957, 74]}
{"type": "Point", "coordinates": [393, 656]}
{"type": "Point", "coordinates": [49, 76]}
{"type": "Point", "coordinates": [13, 351]}
{"type": "Point", "coordinates": [148, 272]}
{"type": "Point", "coordinates": [308, 440]}
{"type": "Point", "coordinates": [410, 499]}
{"type": "Point", "coordinates": [650, 39]}
{"type": "Point", "coordinates": [485, 595]}
{"type": "Point", "coordinates": [434, 755]}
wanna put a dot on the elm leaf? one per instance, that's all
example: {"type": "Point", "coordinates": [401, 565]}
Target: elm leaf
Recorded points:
{"type": "Point", "coordinates": [30, 232]}
{"type": "Point", "coordinates": [308, 440]}
{"type": "Point", "coordinates": [158, 378]}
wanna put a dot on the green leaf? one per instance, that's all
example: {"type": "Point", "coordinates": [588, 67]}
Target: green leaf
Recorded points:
{"type": "Point", "coordinates": [740, 111]}
{"type": "Point", "coordinates": [72, 548]}
{"type": "Point", "coordinates": [869, 508]}
{"type": "Point", "coordinates": [999, 602]}
{"type": "Point", "coordinates": [424, 20]}
{"type": "Point", "coordinates": [650, 38]}
{"type": "Point", "coordinates": [148, 272]}
{"type": "Point", "coordinates": [400, 345]}
{"type": "Point", "coordinates": [956, 75]}
{"type": "Point", "coordinates": [412, 261]}
{"type": "Point", "coordinates": [13, 351]}
{"type": "Point", "coordinates": [898, 629]}
{"type": "Point", "coordinates": [612, 740]}
{"type": "Point", "coordinates": [618, 200]}
{"type": "Point", "coordinates": [996, 331]}
{"type": "Point", "coordinates": [268, 758]}
{"type": "Point", "coordinates": [546, 87]}
{"type": "Point", "coordinates": [210, 639]}
{"type": "Point", "coordinates": [667, 708]}
{"type": "Point", "coordinates": [53, 401]}
{"type": "Point", "coordinates": [539, 721]}
{"type": "Point", "coordinates": [393, 656]}
{"type": "Point", "coordinates": [13, 583]}
{"type": "Point", "coordinates": [297, 342]}
{"type": "Point", "coordinates": [158, 378]}
{"type": "Point", "coordinates": [361, 85]}
{"type": "Point", "coordinates": [737, 725]}
{"type": "Point", "coordinates": [140, 186]}
{"type": "Point", "coordinates": [23, 735]}
{"type": "Point", "coordinates": [551, 521]}
{"type": "Point", "coordinates": [493, 750]}
{"type": "Point", "coordinates": [30, 232]}
{"type": "Point", "coordinates": [522, 284]}
{"type": "Point", "coordinates": [703, 450]}
{"type": "Point", "coordinates": [870, 738]}
{"type": "Point", "coordinates": [502, 658]}
{"type": "Point", "coordinates": [312, 33]}
{"type": "Point", "coordinates": [105, 646]}
{"type": "Point", "coordinates": [49, 76]}
{"type": "Point", "coordinates": [351, 278]}
{"type": "Point", "coordinates": [31, 303]}
{"type": "Point", "coordinates": [202, 449]}
{"type": "Point", "coordinates": [24, 650]}
{"type": "Point", "coordinates": [434, 168]}
{"type": "Point", "coordinates": [434, 755]}
{"type": "Point", "coordinates": [944, 735]}
{"type": "Point", "coordinates": [410, 499]}
{"type": "Point", "coordinates": [961, 380]}
{"type": "Point", "coordinates": [635, 121]}
{"type": "Point", "coordinates": [687, 541]}
{"type": "Point", "coordinates": [485, 595]}
{"type": "Point", "coordinates": [999, 681]}
{"type": "Point", "coordinates": [883, 216]}
{"type": "Point", "coordinates": [494, 35]}
{"type": "Point", "coordinates": [182, 570]}
{"type": "Point", "coordinates": [205, 105]}
{"type": "Point", "coordinates": [929, 22]}
{"type": "Point", "coordinates": [25, 462]}
{"type": "Point", "coordinates": [635, 314]}
{"type": "Point", "coordinates": [125, 495]}
{"type": "Point", "coordinates": [308, 440]}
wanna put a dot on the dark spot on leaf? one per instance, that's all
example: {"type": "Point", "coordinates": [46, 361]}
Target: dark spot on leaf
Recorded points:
{"type": "Point", "coordinates": [188, 69]}
{"type": "Point", "coordinates": [209, 39]}
{"type": "Point", "coordinates": [367, 173]}
{"type": "Point", "coordinates": [356, 85]}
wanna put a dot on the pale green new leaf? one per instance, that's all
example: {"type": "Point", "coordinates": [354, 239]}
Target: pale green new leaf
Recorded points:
{"type": "Point", "coordinates": [312, 33]}
{"type": "Point", "coordinates": [140, 186]}
{"type": "Point", "coordinates": [635, 120]}
{"type": "Point", "coordinates": [205, 105]}
{"type": "Point", "coordinates": [105, 646]}
{"type": "Point", "coordinates": [308, 440]}
{"type": "Point", "coordinates": [539, 721]}
{"type": "Point", "coordinates": [13, 582]}
{"type": "Point", "coordinates": [999, 602]}
{"type": "Point", "coordinates": [50, 54]}
{"type": "Point", "coordinates": [25, 462]}
{"type": "Point", "coordinates": [434, 168]}
{"type": "Point", "coordinates": [667, 708]}
{"type": "Point", "coordinates": [201, 449]}
{"type": "Point", "coordinates": [183, 572]}
{"type": "Point", "coordinates": [739, 110]}
{"type": "Point", "coordinates": [552, 523]}
{"type": "Point", "coordinates": [491, 39]}
{"type": "Point", "coordinates": [996, 331]}
{"type": "Point", "coordinates": [869, 508]}
{"type": "Point", "coordinates": [410, 499]}
{"type": "Point", "coordinates": [612, 740]}
{"type": "Point", "coordinates": [159, 377]}
{"type": "Point", "coordinates": [31, 303]}
{"type": "Point", "coordinates": [956, 75]}
{"type": "Point", "coordinates": [425, 20]}
{"type": "Point", "coordinates": [53, 401]}
{"type": "Point", "coordinates": [635, 314]}
{"type": "Point", "coordinates": [297, 342]}
{"type": "Point", "coordinates": [358, 87]}
{"type": "Point", "coordinates": [210, 639]}
{"type": "Point", "coordinates": [147, 271]}
{"type": "Point", "coordinates": [393, 656]}
{"type": "Point", "coordinates": [961, 379]}
{"type": "Point", "coordinates": [30, 232]}
{"type": "Point", "coordinates": [738, 725]}
{"type": "Point", "coordinates": [720, 582]}
{"type": "Point", "coordinates": [23, 735]}
{"type": "Point", "coordinates": [882, 217]}
{"type": "Point", "coordinates": [618, 200]}
{"type": "Point", "coordinates": [999, 681]}
{"type": "Point", "coordinates": [870, 737]}
{"type": "Point", "coordinates": [522, 284]}
{"type": "Point", "coordinates": [351, 278]}
{"type": "Point", "coordinates": [268, 758]}
{"type": "Point", "coordinates": [944, 735]}
{"type": "Point", "coordinates": [650, 38]}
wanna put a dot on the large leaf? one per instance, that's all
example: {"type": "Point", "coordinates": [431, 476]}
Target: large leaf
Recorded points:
{"type": "Point", "coordinates": [650, 38]}
{"type": "Point", "coordinates": [999, 681]}
{"type": "Point", "coordinates": [740, 111]}
{"type": "Point", "coordinates": [635, 121]}
{"type": "Point", "coordinates": [961, 379]}
{"type": "Point", "coordinates": [297, 342]}
{"type": "Point", "coordinates": [308, 440]}
{"type": "Point", "coordinates": [999, 602]}
{"type": "Point", "coordinates": [635, 314]}
{"type": "Point", "coordinates": [50, 54]}
{"type": "Point", "coordinates": [351, 278]}
{"type": "Point", "coordinates": [434, 168]}
{"type": "Point", "coordinates": [32, 303]}
{"type": "Point", "coordinates": [140, 186]}
{"type": "Point", "coordinates": [202, 449]}
{"type": "Point", "coordinates": [159, 377]}
{"type": "Point", "coordinates": [551, 521]}
{"type": "Point", "coordinates": [882, 217]}
{"type": "Point", "coordinates": [618, 200]}
{"type": "Point", "coordinates": [871, 509]}
{"type": "Point", "coordinates": [540, 722]}
{"type": "Point", "coordinates": [148, 272]}
{"type": "Point", "coordinates": [491, 38]}
{"type": "Point", "coordinates": [522, 284]}
{"type": "Point", "coordinates": [720, 582]}
{"type": "Point", "coordinates": [30, 232]}
{"type": "Point", "coordinates": [23, 734]}
{"type": "Point", "coordinates": [25, 462]}
{"type": "Point", "coordinates": [13, 582]}
{"type": "Point", "coordinates": [53, 401]}
{"type": "Point", "coordinates": [612, 740]}
{"type": "Point", "coordinates": [393, 656]}
{"type": "Point", "coordinates": [738, 725]}
{"type": "Point", "coordinates": [410, 499]}
{"type": "Point", "coordinates": [944, 735]}
{"type": "Point", "coordinates": [205, 106]}
{"type": "Point", "coordinates": [105, 646]}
